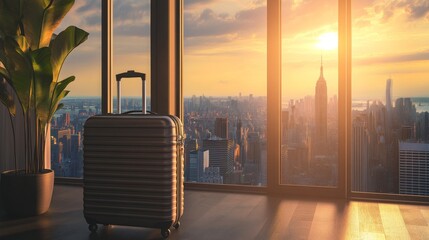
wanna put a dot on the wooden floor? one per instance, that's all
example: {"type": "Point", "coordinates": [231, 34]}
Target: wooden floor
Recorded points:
{"type": "Point", "coordinates": [213, 215]}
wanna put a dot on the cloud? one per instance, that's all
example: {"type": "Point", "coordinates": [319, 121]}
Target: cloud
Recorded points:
{"type": "Point", "coordinates": [418, 9]}
{"type": "Point", "coordinates": [132, 11]}
{"type": "Point", "coordinates": [193, 3]}
{"type": "Point", "coordinates": [89, 6]}
{"type": "Point", "coordinates": [93, 20]}
{"type": "Point", "coordinates": [409, 57]}
{"type": "Point", "coordinates": [209, 23]}
{"type": "Point", "coordinates": [126, 14]}
{"type": "Point", "coordinates": [132, 30]}
{"type": "Point", "coordinates": [384, 11]}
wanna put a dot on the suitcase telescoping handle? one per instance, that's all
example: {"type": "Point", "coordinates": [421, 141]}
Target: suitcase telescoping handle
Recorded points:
{"type": "Point", "coordinates": [131, 74]}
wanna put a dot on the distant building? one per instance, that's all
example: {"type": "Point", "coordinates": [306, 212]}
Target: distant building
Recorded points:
{"type": "Point", "coordinates": [221, 128]}
{"type": "Point", "coordinates": [190, 146]}
{"type": "Point", "coordinates": [414, 168]}
{"type": "Point", "coordinates": [64, 136]}
{"type": "Point", "coordinates": [360, 156]}
{"type": "Point", "coordinates": [238, 134]}
{"type": "Point", "coordinates": [284, 126]}
{"type": "Point", "coordinates": [221, 154]}
{"type": "Point", "coordinates": [198, 161]}
{"type": "Point", "coordinates": [212, 175]}
{"type": "Point", "coordinates": [321, 117]}
{"type": "Point", "coordinates": [252, 165]}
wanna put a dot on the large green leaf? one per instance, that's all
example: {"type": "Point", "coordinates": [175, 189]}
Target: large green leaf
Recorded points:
{"type": "Point", "coordinates": [6, 97]}
{"type": "Point", "coordinates": [20, 71]}
{"type": "Point", "coordinates": [57, 94]}
{"type": "Point", "coordinates": [42, 70]}
{"type": "Point", "coordinates": [22, 43]}
{"type": "Point", "coordinates": [63, 44]}
{"type": "Point", "coordinates": [57, 100]}
{"type": "Point", "coordinates": [41, 17]}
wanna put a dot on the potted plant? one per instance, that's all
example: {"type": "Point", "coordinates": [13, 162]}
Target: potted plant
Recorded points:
{"type": "Point", "coordinates": [31, 57]}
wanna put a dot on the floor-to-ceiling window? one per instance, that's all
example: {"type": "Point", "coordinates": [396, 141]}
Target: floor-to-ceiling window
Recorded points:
{"type": "Point", "coordinates": [309, 115]}
{"type": "Point", "coordinates": [225, 92]}
{"type": "Point", "coordinates": [390, 104]}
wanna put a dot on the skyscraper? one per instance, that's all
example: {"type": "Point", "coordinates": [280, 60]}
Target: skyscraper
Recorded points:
{"type": "Point", "coordinates": [389, 96]}
{"type": "Point", "coordinates": [221, 154]}
{"type": "Point", "coordinates": [321, 109]}
{"type": "Point", "coordinates": [190, 145]}
{"type": "Point", "coordinates": [413, 168]}
{"type": "Point", "coordinates": [198, 162]}
{"type": "Point", "coordinates": [360, 156]}
{"type": "Point", "coordinates": [238, 134]}
{"type": "Point", "coordinates": [221, 128]}
{"type": "Point", "coordinates": [284, 126]}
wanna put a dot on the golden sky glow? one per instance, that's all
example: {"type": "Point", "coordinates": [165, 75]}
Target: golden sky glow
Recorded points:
{"type": "Point", "coordinates": [225, 46]}
{"type": "Point", "coordinates": [328, 41]}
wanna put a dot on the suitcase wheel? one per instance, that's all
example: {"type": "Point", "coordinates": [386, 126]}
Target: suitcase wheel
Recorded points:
{"type": "Point", "coordinates": [93, 227]}
{"type": "Point", "coordinates": [177, 225]}
{"type": "Point", "coordinates": [165, 232]}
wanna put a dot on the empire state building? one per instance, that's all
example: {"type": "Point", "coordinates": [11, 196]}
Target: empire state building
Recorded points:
{"type": "Point", "coordinates": [321, 109]}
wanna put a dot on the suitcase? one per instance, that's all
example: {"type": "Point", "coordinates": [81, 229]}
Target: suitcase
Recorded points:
{"type": "Point", "coordinates": [133, 168]}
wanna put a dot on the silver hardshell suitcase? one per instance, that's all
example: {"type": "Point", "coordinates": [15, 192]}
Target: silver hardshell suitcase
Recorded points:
{"type": "Point", "coordinates": [133, 168]}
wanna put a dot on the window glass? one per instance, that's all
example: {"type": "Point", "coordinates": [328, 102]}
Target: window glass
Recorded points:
{"type": "Point", "coordinates": [309, 118]}
{"type": "Point", "coordinates": [225, 87]}
{"type": "Point", "coordinates": [390, 102]}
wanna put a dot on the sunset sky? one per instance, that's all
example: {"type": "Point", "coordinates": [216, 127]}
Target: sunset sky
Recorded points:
{"type": "Point", "coordinates": [225, 46]}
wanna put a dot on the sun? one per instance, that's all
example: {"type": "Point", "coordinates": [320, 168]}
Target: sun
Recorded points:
{"type": "Point", "coordinates": [328, 41]}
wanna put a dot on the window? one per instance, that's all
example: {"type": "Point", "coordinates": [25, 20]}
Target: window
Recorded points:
{"type": "Point", "coordinates": [309, 117]}
{"type": "Point", "coordinates": [225, 91]}
{"type": "Point", "coordinates": [243, 128]}
{"type": "Point", "coordinates": [390, 104]}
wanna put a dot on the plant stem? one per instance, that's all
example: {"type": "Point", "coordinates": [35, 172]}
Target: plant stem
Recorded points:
{"type": "Point", "coordinates": [14, 142]}
{"type": "Point", "coordinates": [24, 116]}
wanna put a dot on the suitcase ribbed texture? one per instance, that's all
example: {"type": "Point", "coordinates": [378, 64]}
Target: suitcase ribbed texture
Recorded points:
{"type": "Point", "coordinates": [133, 170]}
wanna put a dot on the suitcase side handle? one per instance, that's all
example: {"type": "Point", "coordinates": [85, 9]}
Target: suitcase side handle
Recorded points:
{"type": "Point", "coordinates": [131, 74]}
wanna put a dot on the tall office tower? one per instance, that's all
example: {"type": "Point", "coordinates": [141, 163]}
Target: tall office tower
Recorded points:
{"type": "Point", "coordinates": [252, 165]}
{"type": "Point", "coordinates": [221, 154]}
{"type": "Point", "coordinates": [360, 156]}
{"type": "Point", "coordinates": [66, 119]}
{"type": "Point", "coordinates": [75, 145]}
{"type": "Point", "coordinates": [76, 157]}
{"type": "Point", "coordinates": [64, 136]}
{"type": "Point", "coordinates": [56, 151]}
{"type": "Point", "coordinates": [238, 134]}
{"type": "Point", "coordinates": [253, 148]}
{"type": "Point", "coordinates": [413, 168]}
{"type": "Point", "coordinates": [389, 130]}
{"type": "Point", "coordinates": [405, 112]}
{"type": "Point", "coordinates": [221, 128]}
{"type": "Point", "coordinates": [285, 124]}
{"type": "Point", "coordinates": [198, 162]}
{"type": "Point", "coordinates": [190, 145]}
{"type": "Point", "coordinates": [321, 109]}
{"type": "Point", "coordinates": [389, 95]}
